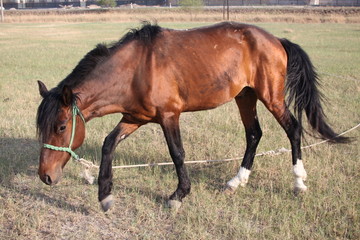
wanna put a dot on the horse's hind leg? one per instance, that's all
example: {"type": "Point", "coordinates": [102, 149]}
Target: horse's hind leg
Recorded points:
{"type": "Point", "coordinates": [246, 102]}
{"type": "Point", "coordinates": [293, 130]}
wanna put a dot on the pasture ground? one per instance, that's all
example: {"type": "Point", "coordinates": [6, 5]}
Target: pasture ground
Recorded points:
{"type": "Point", "coordinates": [265, 209]}
{"type": "Point", "coordinates": [291, 14]}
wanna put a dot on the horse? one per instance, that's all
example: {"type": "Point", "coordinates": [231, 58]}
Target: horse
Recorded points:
{"type": "Point", "coordinates": [153, 74]}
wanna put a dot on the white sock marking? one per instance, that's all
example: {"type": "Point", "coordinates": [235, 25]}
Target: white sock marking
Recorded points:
{"type": "Point", "coordinates": [300, 176]}
{"type": "Point", "coordinates": [299, 170]}
{"type": "Point", "coordinates": [240, 179]}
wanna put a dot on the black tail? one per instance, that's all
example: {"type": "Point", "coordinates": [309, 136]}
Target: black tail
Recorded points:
{"type": "Point", "coordinates": [302, 86]}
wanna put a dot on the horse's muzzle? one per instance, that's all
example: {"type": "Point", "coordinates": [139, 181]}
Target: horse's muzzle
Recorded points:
{"type": "Point", "coordinates": [50, 179]}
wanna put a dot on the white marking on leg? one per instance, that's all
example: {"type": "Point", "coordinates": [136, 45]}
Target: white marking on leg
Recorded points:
{"type": "Point", "coordinates": [299, 170]}
{"type": "Point", "coordinates": [300, 176]}
{"type": "Point", "coordinates": [240, 179]}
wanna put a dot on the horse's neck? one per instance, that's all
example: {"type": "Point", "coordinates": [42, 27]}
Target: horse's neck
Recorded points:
{"type": "Point", "coordinates": [107, 89]}
{"type": "Point", "coordinates": [99, 98]}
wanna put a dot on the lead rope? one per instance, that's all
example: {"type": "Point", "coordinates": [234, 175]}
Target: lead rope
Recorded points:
{"type": "Point", "coordinates": [89, 165]}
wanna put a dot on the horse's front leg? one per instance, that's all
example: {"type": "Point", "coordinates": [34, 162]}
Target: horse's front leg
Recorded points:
{"type": "Point", "coordinates": [119, 133]}
{"type": "Point", "coordinates": [170, 126]}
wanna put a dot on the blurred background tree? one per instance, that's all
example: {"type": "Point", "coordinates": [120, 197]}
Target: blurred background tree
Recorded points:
{"type": "Point", "coordinates": [191, 3]}
{"type": "Point", "coordinates": [192, 6]}
{"type": "Point", "coordinates": [107, 3]}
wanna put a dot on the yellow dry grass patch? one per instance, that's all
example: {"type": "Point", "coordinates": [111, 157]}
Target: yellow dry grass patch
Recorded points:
{"type": "Point", "coordinates": [246, 14]}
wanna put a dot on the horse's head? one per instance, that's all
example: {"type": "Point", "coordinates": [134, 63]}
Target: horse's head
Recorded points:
{"type": "Point", "coordinates": [61, 129]}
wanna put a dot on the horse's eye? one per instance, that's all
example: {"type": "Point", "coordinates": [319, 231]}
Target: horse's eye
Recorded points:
{"type": "Point", "coordinates": [62, 128]}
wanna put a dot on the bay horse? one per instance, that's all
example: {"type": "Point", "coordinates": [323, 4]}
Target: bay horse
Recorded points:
{"type": "Point", "coordinates": [153, 74]}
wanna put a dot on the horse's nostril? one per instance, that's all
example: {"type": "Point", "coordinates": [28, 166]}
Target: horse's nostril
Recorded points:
{"type": "Point", "coordinates": [47, 180]}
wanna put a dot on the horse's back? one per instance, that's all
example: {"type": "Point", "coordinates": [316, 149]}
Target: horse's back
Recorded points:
{"type": "Point", "coordinates": [205, 67]}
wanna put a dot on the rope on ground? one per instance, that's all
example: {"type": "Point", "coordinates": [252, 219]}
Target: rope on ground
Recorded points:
{"type": "Point", "coordinates": [89, 165]}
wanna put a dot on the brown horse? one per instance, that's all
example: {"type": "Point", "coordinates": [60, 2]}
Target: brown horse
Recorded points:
{"type": "Point", "coordinates": [153, 74]}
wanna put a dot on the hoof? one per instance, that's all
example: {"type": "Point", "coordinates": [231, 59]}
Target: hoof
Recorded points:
{"type": "Point", "coordinates": [174, 204]}
{"type": "Point", "coordinates": [299, 186]}
{"type": "Point", "coordinates": [300, 190]}
{"type": "Point", "coordinates": [243, 184]}
{"type": "Point", "coordinates": [229, 190]}
{"type": "Point", "coordinates": [107, 202]}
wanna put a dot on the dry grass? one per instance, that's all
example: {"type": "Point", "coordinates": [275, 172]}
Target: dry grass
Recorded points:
{"type": "Point", "coordinates": [246, 14]}
{"type": "Point", "coordinates": [265, 209]}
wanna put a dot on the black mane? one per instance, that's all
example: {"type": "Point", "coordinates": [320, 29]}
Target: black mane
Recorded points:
{"type": "Point", "coordinates": [52, 102]}
{"type": "Point", "coordinates": [146, 34]}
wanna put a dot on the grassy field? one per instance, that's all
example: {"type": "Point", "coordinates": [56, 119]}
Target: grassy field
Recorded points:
{"type": "Point", "coordinates": [291, 14]}
{"type": "Point", "coordinates": [265, 209]}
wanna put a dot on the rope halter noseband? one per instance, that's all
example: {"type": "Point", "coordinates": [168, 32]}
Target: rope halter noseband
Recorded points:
{"type": "Point", "coordinates": [75, 111]}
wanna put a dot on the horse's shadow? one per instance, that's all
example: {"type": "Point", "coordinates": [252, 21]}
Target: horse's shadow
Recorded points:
{"type": "Point", "coordinates": [206, 176]}
{"type": "Point", "coordinates": [19, 157]}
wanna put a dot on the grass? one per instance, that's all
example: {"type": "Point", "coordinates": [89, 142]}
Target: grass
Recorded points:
{"type": "Point", "coordinates": [290, 14]}
{"type": "Point", "coordinates": [265, 209]}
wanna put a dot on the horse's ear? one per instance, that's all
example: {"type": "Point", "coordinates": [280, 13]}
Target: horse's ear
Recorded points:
{"type": "Point", "coordinates": [42, 89]}
{"type": "Point", "coordinates": [67, 95]}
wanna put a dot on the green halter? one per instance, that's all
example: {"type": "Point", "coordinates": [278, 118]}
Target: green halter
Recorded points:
{"type": "Point", "coordinates": [75, 111]}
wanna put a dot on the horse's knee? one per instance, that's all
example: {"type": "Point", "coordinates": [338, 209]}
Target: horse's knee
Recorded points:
{"type": "Point", "coordinates": [253, 137]}
{"type": "Point", "coordinates": [178, 157]}
{"type": "Point", "coordinates": [253, 134]}
{"type": "Point", "coordinates": [110, 142]}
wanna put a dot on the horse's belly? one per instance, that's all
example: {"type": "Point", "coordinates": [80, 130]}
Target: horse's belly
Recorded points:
{"type": "Point", "coordinates": [211, 97]}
